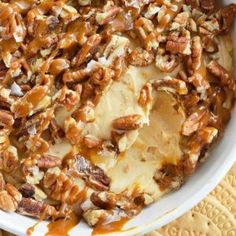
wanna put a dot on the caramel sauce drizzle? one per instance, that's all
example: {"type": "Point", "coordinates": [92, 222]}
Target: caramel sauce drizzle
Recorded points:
{"type": "Point", "coordinates": [116, 226]}
{"type": "Point", "coordinates": [62, 227]}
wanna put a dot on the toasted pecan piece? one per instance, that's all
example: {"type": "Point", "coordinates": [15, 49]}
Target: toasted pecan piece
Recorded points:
{"type": "Point", "coordinates": [171, 85]}
{"type": "Point", "coordinates": [9, 198]}
{"type": "Point", "coordinates": [88, 49]}
{"type": "Point", "coordinates": [198, 119]}
{"type": "Point", "coordinates": [2, 182]}
{"type": "Point", "coordinates": [208, 5]}
{"type": "Point", "coordinates": [6, 118]}
{"type": "Point", "coordinates": [130, 122]}
{"type": "Point", "coordinates": [48, 161]}
{"type": "Point", "coordinates": [140, 57]}
{"type": "Point", "coordinates": [179, 43]}
{"type": "Point", "coordinates": [30, 207]}
{"type": "Point", "coordinates": [222, 74]}
{"type": "Point", "coordinates": [92, 174]}
{"type": "Point", "coordinates": [145, 97]}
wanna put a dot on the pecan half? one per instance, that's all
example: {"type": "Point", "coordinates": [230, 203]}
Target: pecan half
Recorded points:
{"type": "Point", "coordinates": [130, 122]}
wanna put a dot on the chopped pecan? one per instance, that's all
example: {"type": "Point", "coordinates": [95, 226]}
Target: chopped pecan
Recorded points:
{"type": "Point", "coordinates": [2, 182]}
{"type": "Point", "coordinates": [87, 50]}
{"type": "Point", "coordinates": [37, 144]}
{"type": "Point", "coordinates": [195, 121]}
{"type": "Point", "coordinates": [76, 76]}
{"type": "Point", "coordinates": [85, 113]}
{"type": "Point", "coordinates": [36, 209]}
{"type": "Point", "coordinates": [146, 33]}
{"type": "Point", "coordinates": [222, 74]}
{"type": "Point", "coordinates": [140, 57]}
{"type": "Point", "coordinates": [48, 161]}
{"type": "Point", "coordinates": [93, 216]}
{"type": "Point", "coordinates": [227, 15]}
{"type": "Point", "coordinates": [9, 198]}
{"type": "Point", "coordinates": [196, 56]}
{"type": "Point", "coordinates": [130, 122]}
{"type": "Point", "coordinates": [120, 139]}
{"type": "Point", "coordinates": [108, 13]}
{"type": "Point", "coordinates": [145, 97]}
{"type": "Point", "coordinates": [27, 190]}
{"type": "Point", "coordinates": [58, 66]}
{"type": "Point", "coordinates": [9, 159]}
{"type": "Point", "coordinates": [209, 44]}
{"type": "Point", "coordinates": [198, 142]}
{"type": "Point", "coordinates": [73, 130]}
{"type": "Point", "coordinates": [166, 62]}
{"type": "Point", "coordinates": [92, 174]}
{"type": "Point", "coordinates": [56, 132]}
{"type": "Point", "coordinates": [91, 141]}
{"type": "Point", "coordinates": [199, 82]}
{"type": "Point", "coordinates": [190, 101]}
{"type": "Point", "coordinates": [60, 186]}
{"type": "Point", "coordinates": [26, 105]}
{"type": "Point", "coordinates": [6, 118]}
{"type": "Point", "coordinates": [208, 5]}
{"type": "Point", "coordinates": [68, 98]}
{"type": "Point", "coordinates": [12, 23]}
{"type": "Point", "coordinates": [179, 43]}
{"type": "Point", "coordinates": [171, 85]}
{"type": "Point", "coordinates": [170, 176]}
{"type": "Point", "coordinates": [6, 202]}
{"type": "Point", "coordinates": [116, 47]}
{"type": "Point", "coordinates": [210, 27]}
{"type": "Point", "coordinates": [104, 200]}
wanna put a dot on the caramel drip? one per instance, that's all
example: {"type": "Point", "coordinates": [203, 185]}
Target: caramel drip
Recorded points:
{"type": "Point", "coordinates": [62, 226]}
{"type": "Point", "coordinates": [112, 227]}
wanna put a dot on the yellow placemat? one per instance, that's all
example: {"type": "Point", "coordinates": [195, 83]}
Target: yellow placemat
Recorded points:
{"type": "Point", "coordinates": [214, 216]}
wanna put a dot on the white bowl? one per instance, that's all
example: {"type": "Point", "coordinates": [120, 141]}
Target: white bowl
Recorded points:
{"type": "Point", "coordinates": [167, 209]}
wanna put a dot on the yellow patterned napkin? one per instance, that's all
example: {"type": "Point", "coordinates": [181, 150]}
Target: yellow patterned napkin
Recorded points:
{"type": "Point", "coordinates": [214, 216]}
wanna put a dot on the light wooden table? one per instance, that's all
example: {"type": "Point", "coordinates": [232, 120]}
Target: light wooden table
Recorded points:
{"type": "Point", "coordinates": [214, 216]}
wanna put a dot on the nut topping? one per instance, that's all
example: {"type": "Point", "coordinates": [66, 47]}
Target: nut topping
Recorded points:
{"type": "Point", "coordinates": [94, 91]}
{"type": "Point", "coordinates": [131, 122]}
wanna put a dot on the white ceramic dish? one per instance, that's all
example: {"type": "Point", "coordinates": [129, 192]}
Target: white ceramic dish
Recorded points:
{"type": "Point", "coordinates": [168, 208]}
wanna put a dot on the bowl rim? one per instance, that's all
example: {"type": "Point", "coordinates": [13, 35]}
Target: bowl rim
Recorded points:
{"type": "Point", "coordinates": [220, 171]}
